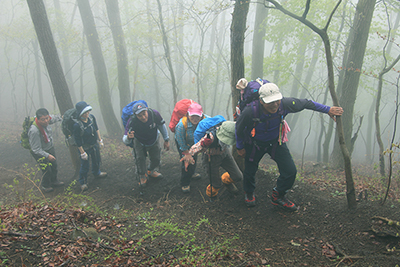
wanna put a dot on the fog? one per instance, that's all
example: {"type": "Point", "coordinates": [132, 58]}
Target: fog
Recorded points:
{"type": "Point", "coordinates": [199, 40]}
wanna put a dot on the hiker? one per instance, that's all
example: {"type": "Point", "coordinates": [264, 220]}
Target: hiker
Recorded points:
{"type": "Point", "coordinates": [42, 148]}
{"type": "Point", "coordinates": [184, 139]}
{"type": "Point", "coordinates": [88, 140]}
{"type": "Point", "coordinates": [142, 133]}
{"type": "Point", "coordinates": [216, 145]}
{"type": "Point", "coordinates": [261, 129]}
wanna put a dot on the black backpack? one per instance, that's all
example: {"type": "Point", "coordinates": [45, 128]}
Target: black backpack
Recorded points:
{"type": "Point", "coordinates": [71, 117]}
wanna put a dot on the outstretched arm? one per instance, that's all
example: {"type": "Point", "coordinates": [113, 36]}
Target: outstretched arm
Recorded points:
{"type": "Point", "coordinates": [335, 111]}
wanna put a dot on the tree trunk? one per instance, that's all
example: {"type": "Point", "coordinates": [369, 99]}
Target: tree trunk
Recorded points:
{"type": "Point", "coordinates": [258, 46]}
{"type": "Point", "coordinates": [238, 28]}
{"type": "Point", "coordinates": [38, 72]}
{"type": "Point", "coordinates": [152, 57]}
{"type": "Point", "coordinates": [167, 52]}
{"type": "Point", "coordinates": [120, 50]}
{"type": "Point", "coordinates": [377, 123]}
{"type": "Point", "coordinates": [65, 49]}
{"type": "Point", "coordinates": [53, 64]}
{"type": "Point", "coordinates": [353, 67]}
{"type": "Point", "coordinates": [100, 70]}
{"type": "Point", "coordinates": [351, 197]}
{"type": "Point", "coordinates": [298, 73]}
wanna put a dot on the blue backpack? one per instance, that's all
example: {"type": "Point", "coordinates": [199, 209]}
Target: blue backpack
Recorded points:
{"type": "Point", "coordinates": [207, 125]}
{"type": "Point", "coordinates": [127, 111]}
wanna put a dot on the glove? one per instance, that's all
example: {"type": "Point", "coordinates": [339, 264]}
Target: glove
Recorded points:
{"type": "Point", "coordinates": [101, 144]}
{"type": "Point", "coordinates": [206, 142]}
{"type": "Point", "coordinates": [84, 156]}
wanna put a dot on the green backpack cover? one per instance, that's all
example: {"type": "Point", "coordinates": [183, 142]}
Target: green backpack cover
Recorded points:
{"type": "Point", "coordinates": [28, 121]}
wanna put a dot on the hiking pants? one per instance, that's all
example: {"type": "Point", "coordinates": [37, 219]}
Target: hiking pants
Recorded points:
{"type": "Point", "coordinates": [225, 161]}
{"type": "Point", "coordinates": [281, 155]}
{"type": "Point", "coordinates": [93, 155]}
{"type": "Point", "coordinates": [186, 176]}
{"type": "Point", "coordinates": [141, 152]}
{"type": "Point", "coordinates": [49, 168]}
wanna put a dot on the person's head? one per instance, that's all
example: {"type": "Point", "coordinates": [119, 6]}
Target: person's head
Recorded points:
{"type": "Point", "coordinates": [195, 112]}
{"type": "Point", "coordinates": [83, 109]}
{"type": "Point", "coordinates": [43, 117]}
{"type": "Point", "coordinates": [226, 133]}
{"type": "Point", "coordinates": [270, 97]}
{"type": "Point", "coordinates": [140, 111]}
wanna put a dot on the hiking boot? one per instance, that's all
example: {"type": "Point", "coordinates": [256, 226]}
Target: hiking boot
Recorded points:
{"type": "Point", "coordinates": [232, 188]}
{"type": "Point", "coordinates": [84, 187]}
{"type": "Point", "coordinates": [186, 189]}
{"type": "Point", "coordinates": [101, 175]}
{"type": "Point", "coordinates": [154, 174]}
{"type": "Point", "coordinates": [196, 176]}
{"type": "Point", "coordinates": [281, 201]}
{"type": "Point", "coordinates": [250, 199]}
{"type": "Point", "coordinates": [143, 180]}
{"type": "Point", "coordinates": [46, 189]}
{"type": "Point", "coordinates": [57, 183]}
{"type": "Point", "coordinates": [211, 191]}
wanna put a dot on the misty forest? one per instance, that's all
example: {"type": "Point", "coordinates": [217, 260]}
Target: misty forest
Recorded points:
{"type": "Point", "coordinates": [109, 53]}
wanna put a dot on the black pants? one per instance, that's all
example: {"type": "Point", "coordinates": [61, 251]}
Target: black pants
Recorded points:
{"type": "Point", "coordinates": [49, 168]}
{"type": "Point", "coordinates": [280, 154]}
{"type": "Point", "coordinates": [186, 176]}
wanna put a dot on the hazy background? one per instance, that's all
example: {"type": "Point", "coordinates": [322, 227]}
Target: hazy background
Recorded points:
{"type": "Point", "coordinates": [199, 38]}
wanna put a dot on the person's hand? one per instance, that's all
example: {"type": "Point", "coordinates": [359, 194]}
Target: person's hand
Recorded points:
{"type": "Point", "coordinates": [206, 142]}
{"type": "Point", "coordinates": [131, 134]}
{"type": "Point", "coordinates": [335, 111]}
{"type": "Point", "coordinates": [101, 144]}
{"type": "Point", "coordinates": [188, 159]}
{"type": "Point", "coordinates": [84, 156]}
{"type": "Point", "coordinates": [51, 158]}
{"type": "Point", "coordinates": [166, 145]}
{"type": "Point", "coordinates": [241, 152]}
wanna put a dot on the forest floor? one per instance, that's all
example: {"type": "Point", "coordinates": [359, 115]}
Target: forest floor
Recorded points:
{"type": "Point", "coordinates": [115, 223]}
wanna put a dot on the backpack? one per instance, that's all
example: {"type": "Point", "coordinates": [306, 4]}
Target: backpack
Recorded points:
{"type": "Point", "coordinates": [206, 126]}
{"type": "Point", "coordinates": [127, 111]}
{"type": "Point", "coordinates": [249, 94]}
{"type": "Point", "coordinates": [70, 117]}
{"type": "Point", "coordinates": [255, 106]}
{"type": "Point", "coordinates": [180, 110]}
{"type": "Point", "coordinates": [28, 121]}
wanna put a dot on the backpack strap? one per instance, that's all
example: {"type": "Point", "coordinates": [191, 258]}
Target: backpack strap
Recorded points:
{"type": "Point", "coordinates": [256, 120]}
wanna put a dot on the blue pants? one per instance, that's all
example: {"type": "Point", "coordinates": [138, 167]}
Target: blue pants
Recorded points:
{"type": "Point", "coordinates": [280, 154]}
{"type": "Point", "coordinates": [93, 155]}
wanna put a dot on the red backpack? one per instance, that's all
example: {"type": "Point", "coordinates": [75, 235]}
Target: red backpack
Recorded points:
{"type": "Point", "coordinates": [180, 110]}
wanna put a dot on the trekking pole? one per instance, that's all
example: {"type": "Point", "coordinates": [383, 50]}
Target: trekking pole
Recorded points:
{"type": "Point", "coordinates": [209, 171]}
{"type": "Point", "coordinates": [136, 163]}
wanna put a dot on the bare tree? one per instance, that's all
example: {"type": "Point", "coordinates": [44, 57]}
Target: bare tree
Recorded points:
{"type": "Point", "coordinates": [167, 52]}
{"type": "Point", "coordinates": [238, 28]}
{"type": "Point", "coordinates": [351, 198]}
{"type": "Point", "coordinates": [258, 45]}
{"type": "Point", "coordinates": [354, 62]}
{"type": "Point", "coordinates": [64, 48]}
{"type": "Point", "coordinates": [120, 50]}
{"type": "Point", "coordinates": [100, 69]}
{"type": "Point", "coordinates": [53, 64]}
{"type": "Point", "coordinates": [377, 123]}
